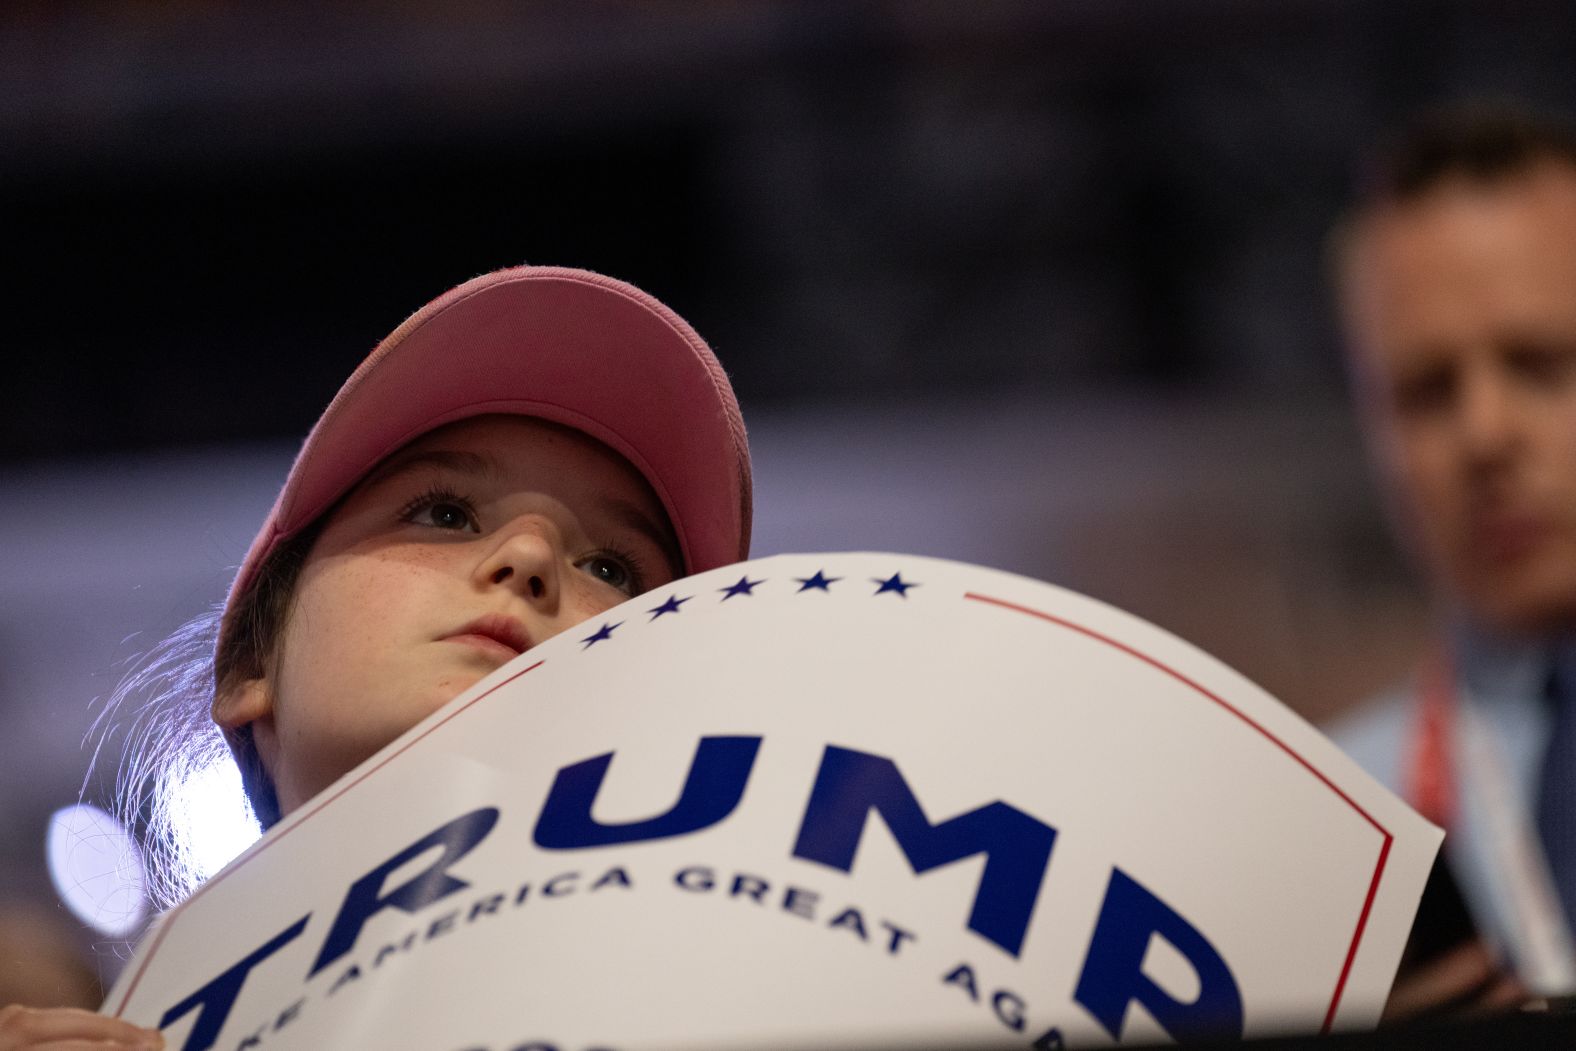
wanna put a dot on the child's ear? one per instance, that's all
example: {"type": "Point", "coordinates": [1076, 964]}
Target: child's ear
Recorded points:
{"type": "Point", "coordinates": [245, 714]}
{"type": "Point", "coordinates": [243, 705]}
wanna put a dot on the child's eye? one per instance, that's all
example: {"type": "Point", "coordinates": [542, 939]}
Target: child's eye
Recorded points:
{"type": "Point", "coordinates": [616, 571]}
{"type": "Point", "coordinates": [445, 516]}
{"type": "Point", "coordinates": [441, 510]}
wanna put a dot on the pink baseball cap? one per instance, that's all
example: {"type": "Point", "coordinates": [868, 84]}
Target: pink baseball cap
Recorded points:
{"type": "Point", "coordinates": [569, 346]}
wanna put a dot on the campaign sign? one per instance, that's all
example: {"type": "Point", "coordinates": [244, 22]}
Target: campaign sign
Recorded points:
{"type": "Point", "coordinates": [814, 800]}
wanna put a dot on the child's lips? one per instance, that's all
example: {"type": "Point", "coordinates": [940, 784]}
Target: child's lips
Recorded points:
{"type": "Point", "coordinates": [494, 633]}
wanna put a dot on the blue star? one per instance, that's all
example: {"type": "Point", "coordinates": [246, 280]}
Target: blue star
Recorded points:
{"type": "Point", "coordinates": [603, 633]}
{"type": "Point", "coordinates": [894, 583]}
{"type": "Point", "coordinates": [745, 586]}
{"type": "Point", "coordinates": [670, 606]}
{"type": "Point", "coordinates": [819, 582]}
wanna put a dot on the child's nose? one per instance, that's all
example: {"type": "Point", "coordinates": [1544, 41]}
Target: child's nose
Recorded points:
{"type": "Point", "coordinates": [524, 557]}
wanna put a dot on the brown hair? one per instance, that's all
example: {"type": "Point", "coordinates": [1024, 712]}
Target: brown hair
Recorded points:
{"type": "Point", "coordinates": [164, 707]}
{"type": "Point", "coordinates": [1482, 142]}
{"type": "Point", "coordinates": [1479, 141]}
{"type": "Point", "coordinates": [247, 647]}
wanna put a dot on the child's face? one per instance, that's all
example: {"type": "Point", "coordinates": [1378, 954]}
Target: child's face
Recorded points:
{"type": "Point", "coordinates": [476, 542]}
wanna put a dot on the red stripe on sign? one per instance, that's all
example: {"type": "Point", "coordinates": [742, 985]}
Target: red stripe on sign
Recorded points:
{"type": "Point", "coordinates": [1362, 922]}
{"type": "Point", "coordinates": [1387, 837]}
{"type": "Point", "coordinates": [316, 808]}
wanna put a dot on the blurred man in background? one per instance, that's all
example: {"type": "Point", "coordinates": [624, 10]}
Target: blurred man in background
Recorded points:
{"type": "Point", "coordinates": [1457, 280]}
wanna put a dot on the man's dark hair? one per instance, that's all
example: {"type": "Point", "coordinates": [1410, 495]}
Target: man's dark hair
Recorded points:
{"type": "Point", "coordinates": [1483, 142]}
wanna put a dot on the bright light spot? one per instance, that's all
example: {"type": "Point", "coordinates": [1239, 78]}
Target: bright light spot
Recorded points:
{"type": "Point", "coordinates": [211, 808]}
{"type": "Point", "coordinates": [96, 869]}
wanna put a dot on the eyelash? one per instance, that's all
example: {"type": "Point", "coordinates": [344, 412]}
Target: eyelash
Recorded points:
{"type": "Point", "coordinates": [434, 496]}
{"type": "Point", "coordinates": [631, 563]}
{"type": "Point", "coordinates": [439, 494]}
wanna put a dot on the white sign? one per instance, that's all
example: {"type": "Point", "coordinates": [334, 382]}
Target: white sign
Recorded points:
{"type": "Point", "coordinates": [815, 800]}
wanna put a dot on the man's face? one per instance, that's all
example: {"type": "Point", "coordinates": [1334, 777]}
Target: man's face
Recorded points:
{"type": "Point", "coordinates": [1461, 306]}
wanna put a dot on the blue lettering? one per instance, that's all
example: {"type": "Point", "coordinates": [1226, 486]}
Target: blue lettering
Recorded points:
{"type": "Point", "coordinates": [962, 976]}
{"type": "Point", "coordinates": [214, 1000]}
{"type": "Point", "coordinates": [898, 934]}
{"type": "Point", "coordinates": [695, 877]}
{"type": "Point", "coordinates": [615, 877]}
{"type": "Point", "coordinates": [711, 791]}
{"type": "Point", "coordinates": [851, 919]}
{"type": "Point", "coordinates": [352, 974]}
{"type": "Point", "coordinates": [1009, 1009]}
{"type": "Point", "coordinates": [387, 951]}
{"type": "Point", "coordinates": [800, 902]}
{"type": "Point", "coordinates": [485, 907]}
{"type": "Point", "coordinates": [560, 885]}
{"type": "Point", "coordinates": [1113, 974]}
{"type": "Point", "coordinates": [289, 1014]}
{"type": "Point", "coordinates": [1017, 847]}
{"type": "Point", "coordinates": [752, 887]}
{"type": "Point", "coordinates": [443, 924]}
{"type": "Point", "coordinates": [365, 898]}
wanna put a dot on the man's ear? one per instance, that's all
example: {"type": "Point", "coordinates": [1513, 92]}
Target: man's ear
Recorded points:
{"type": "Point", "coordinates": [243, 705]}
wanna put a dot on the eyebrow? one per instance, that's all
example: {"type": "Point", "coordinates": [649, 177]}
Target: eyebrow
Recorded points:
{"type": "Point", "coordinates": [631, 516]}
{"type": "Point", "coordinates": [454, 460]}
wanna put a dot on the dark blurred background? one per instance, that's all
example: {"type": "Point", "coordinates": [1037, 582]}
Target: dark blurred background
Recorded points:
{"type": "Point", "coordinates": [1038, 285]}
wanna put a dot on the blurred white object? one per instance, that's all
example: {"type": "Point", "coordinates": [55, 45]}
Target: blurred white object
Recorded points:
{"type": "Point", "coordinates": [97, 869]}
{"type": "Point", "coordinates": [216, 820]}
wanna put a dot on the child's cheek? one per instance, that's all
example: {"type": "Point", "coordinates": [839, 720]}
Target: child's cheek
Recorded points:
{"type": "Point", "coordinates": [585, 598]}
{"type": "Point", "coordinates": [387, 578]}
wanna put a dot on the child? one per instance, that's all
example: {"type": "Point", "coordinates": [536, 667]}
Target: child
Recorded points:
{"type": "Point", "coordinates": [527, 450]}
